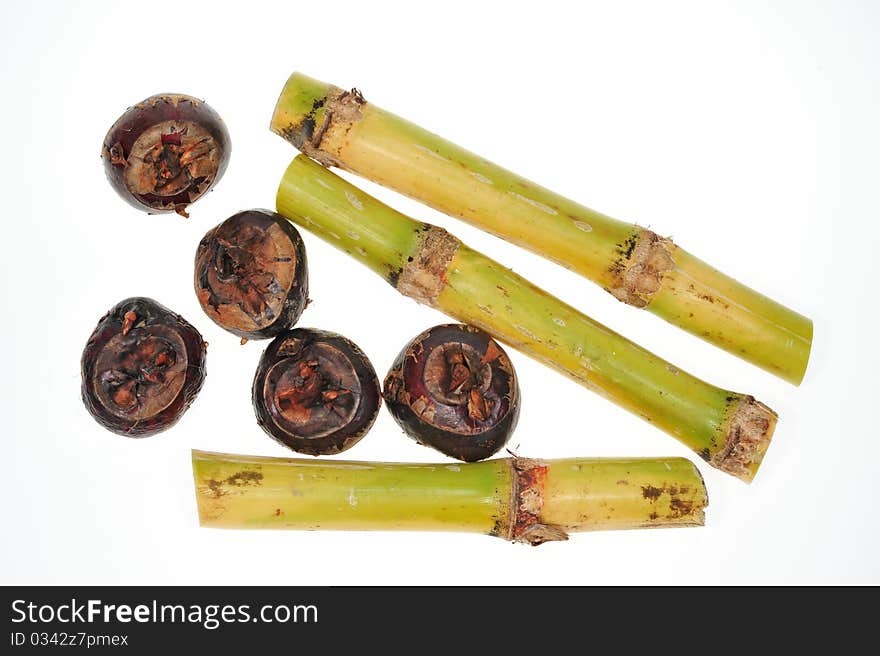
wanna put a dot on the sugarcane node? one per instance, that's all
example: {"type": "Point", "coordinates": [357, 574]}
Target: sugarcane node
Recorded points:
{"type": "Point", "coordinates": [166, 152]}
{"type": "Point", "coordinates": [748, 433]}
{"type": "Point", "coordinates": [453, 388]}
{"type": "Point", "coordinates": [527, 500]}
{"type": "Point", "coordinates": [251, 274]}
{"type": "Point", "coordinates": [315, 392]}
{"type": "Point", "coordinates": [142, 367]}
{"type": "Point", "coordinates": [440, 271]}
{"type": "Point", "coordinates": [424, 275]}
{"type": "Point", "coordinates": [638, 270]}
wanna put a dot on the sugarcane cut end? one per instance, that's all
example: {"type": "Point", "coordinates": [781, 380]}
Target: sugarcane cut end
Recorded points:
{"type": "Point", "coordinates": [308, 111]}
{"type": "Point", "coordinates": [796, 377]}
{"type": "Point", "coordinates": [749, 432]}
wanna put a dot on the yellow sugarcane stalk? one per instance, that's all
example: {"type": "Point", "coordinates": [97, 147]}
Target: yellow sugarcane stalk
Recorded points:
{"type": "Point", "coordinates": [729, 430]}
{"type": "Point", "coordinates": [517, 499]}
{"type": "Point", "coordinates": [339, 128]}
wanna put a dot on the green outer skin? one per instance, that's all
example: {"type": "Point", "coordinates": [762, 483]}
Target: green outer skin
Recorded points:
{"type": "Point", "coordinates": [577, 494]}
{"type": "Point", "coordinates": [739, 320]}
{"type": "Point", "coordinates": [340, 495]}
{"type": "Point", "coordinates": [452, 180]}
{"type": "Point", "coordinates": [403, 156]}
{"type": "Point", "coordinates": [511, 309]}
{"type": "Point", "coordinates": [443, 175]}
{"type": "Point", "coordinates": [600, 493]}
{"type": "Point", "coordinates": [540, 325]}
{"type": "Point", "coordinates": [341, 214]}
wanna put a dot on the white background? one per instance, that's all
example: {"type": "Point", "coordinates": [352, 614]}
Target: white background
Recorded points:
{"type": "Point", "coordinates": [748, 131]}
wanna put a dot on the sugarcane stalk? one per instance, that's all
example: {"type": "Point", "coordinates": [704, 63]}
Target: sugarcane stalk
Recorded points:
{"type": "Point", "coordinates": [729, 430]}
{"type": "Point", "coordinates": [518, 499]}
{"type": "Point", "coordinates": [640, 268]}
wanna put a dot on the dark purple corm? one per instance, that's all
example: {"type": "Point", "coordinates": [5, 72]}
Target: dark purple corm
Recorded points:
{"type": "Point", "coordinates": [141, 368]}
{"type": "Point", "coordinates": [165, 152]}
{"type": "Point", "coordinates": [251, 276]}
{"type": "Point", "coordinates": [453, 388]}
{"type": "Point", "coordinates": [315, 392]}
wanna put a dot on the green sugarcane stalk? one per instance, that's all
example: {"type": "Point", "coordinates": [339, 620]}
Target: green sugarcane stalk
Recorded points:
{"type": "Point", "coordinates": [518, 499]}
{"type": "Point", "coordinates": [731, 431]}
{"type": "Point", "coordinates": [640, 268]}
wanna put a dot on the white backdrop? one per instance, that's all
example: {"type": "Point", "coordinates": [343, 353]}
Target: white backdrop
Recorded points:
{"type": "Point", "coordinates": [748, 131]}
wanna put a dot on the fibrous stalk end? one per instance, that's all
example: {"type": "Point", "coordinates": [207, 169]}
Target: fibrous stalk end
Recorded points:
{"type": "Point", "coordinates": [309, 110]}
{"type": "Point", "coordinates": [749, 431]}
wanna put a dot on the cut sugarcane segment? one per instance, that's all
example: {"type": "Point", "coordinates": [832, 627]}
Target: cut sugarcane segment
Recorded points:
{"type": "Point", "coordinates": [518, 499]}
{"type": "Point", "coordinates": [729, 430]}
{"type": "Point", "coordinates": [637, 266]}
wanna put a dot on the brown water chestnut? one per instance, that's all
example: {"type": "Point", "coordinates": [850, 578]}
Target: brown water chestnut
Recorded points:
{"type": "Point", "coordinates": [453, 388]}
{"type": "Point", "coordinates": [166, 152]}
{"type": "Point", "coordinates": [141, 368]}
{"type": "Point", "coordinates": [251, 276]}
{"type": "Point", "coordinates": [315, 392]}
